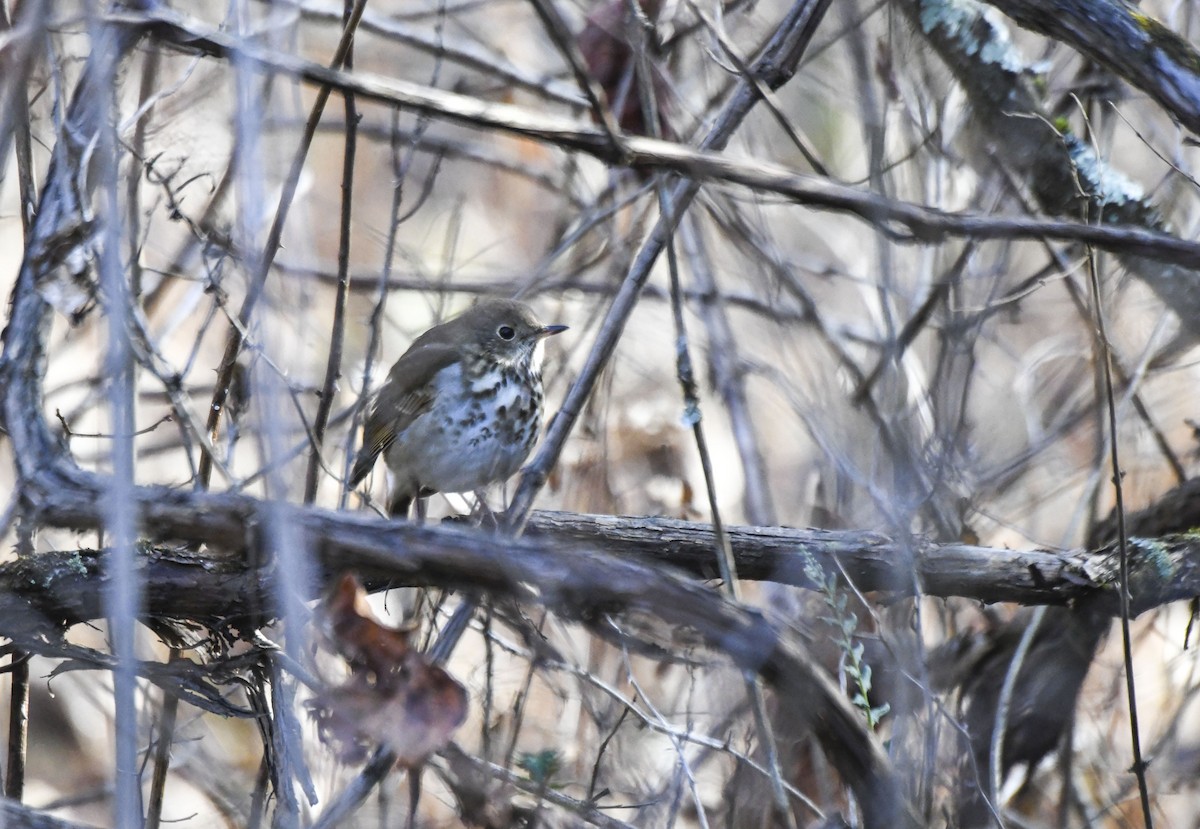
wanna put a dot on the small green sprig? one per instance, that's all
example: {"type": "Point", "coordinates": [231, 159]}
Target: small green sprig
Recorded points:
{"type": "Point", "coordinates": [845, 622]}
{"type": "Point", "coordinates": [541, 766]}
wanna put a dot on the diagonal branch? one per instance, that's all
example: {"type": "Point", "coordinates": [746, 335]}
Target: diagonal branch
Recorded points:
{"type": "Point", "coordinates": [1125, 39]}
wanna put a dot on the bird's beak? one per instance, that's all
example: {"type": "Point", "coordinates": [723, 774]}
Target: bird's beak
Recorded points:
{"type": "Point", "coordinates": [550, 330]}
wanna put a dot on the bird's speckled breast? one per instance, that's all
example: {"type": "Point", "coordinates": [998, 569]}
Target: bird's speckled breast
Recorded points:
{"type": "Point", "coordinates": [491, 419]}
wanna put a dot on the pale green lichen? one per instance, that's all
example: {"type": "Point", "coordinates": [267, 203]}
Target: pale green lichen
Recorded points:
{"type": "Point", "coordinates": [1156, 554]}
{"type": "Point", "coordinates": [1101, 182]}
{"type": "Point", "coordinates": [67, 566]}
{"type": "Point", "coordinates": [75, 564]}
{"type": "Point", "coordinates": [976, 29]}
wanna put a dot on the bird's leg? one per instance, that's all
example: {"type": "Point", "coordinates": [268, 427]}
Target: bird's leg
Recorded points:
{"type": "Point", "coordinates": [420, 504]}
{"type": "Point", "coordinates": [398, 503]}
{"type": "Point", "coordinates": [414, 794]}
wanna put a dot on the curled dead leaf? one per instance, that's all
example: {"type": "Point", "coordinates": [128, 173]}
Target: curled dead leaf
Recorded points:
{"type": "Point", "coordinates": [394, 697]}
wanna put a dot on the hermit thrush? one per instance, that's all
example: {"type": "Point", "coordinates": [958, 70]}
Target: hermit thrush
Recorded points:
{"type": "Point", "coordinates": [462, 407]}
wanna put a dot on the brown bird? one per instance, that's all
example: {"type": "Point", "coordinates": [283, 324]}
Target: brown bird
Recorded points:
{"type": "Point", "coordinates": [461, 409]}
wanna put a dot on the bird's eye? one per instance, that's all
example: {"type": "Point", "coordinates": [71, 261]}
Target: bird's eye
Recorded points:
{"type": "Point", "coordinates": [505, 332]}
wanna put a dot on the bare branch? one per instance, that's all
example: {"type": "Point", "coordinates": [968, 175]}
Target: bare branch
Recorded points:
{"type": "Point", "coordinates": [1129, 42]}
{"type": "Point", "coordinates": [908, 221]}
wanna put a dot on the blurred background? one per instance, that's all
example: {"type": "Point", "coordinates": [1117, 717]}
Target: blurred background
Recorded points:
{"type": "Point", "coordinates": [849, 376]}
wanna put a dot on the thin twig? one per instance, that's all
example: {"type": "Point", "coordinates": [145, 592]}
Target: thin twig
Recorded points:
{"type": "Point", "coordinates": [692, 414]}
{"type": "Point", "coordinates": [730, 380]}
{"type": "Point", "coordinates": [553, 282]}
{"type": "Point", "coordinates": [262, 268]}
{"type": "Point", "coordinates": [468, 53]}
{"type": "Point", "coordinates": [1127, 379]}
{"type": "Point", "coordinates": [1003, 708]}
{"type": "Point", "coordinates": [162, 753]}
{"type": "Point", "coordinates": [560, 34]}
{"type": "Point", "coordinates": [774, 67]}
{"type": "Point", "coordinates": [900, 220]}
{"type": "Point", "coordinates": [1139, 764]}
{"type": "Point", "coordinates": [337, 337]}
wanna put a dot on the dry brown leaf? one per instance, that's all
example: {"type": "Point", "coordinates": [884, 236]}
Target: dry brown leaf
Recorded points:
{"type": "Point", "coordinates": [394, 697]}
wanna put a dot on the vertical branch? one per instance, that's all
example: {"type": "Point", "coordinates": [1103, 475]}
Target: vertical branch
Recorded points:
{"type": "Point", "coordinates": [910, 485]}
{"type": "Point", "coordinates": [382, 761]}
{"type": "Point", "coordinates": [123, 595]}
{"type": "Point", "coordinates": [133, 180]}
{"type": "Point", "coordinates": [27, 187]}
{"type": "Point", "coordinates": [375, 324]}
{"type": "Point", "coordinates": [16, 102]}
{"type": "Point", "coordinates": [873, 126]}
{"type": "Point", "coordinates": [724, 550]}
{"type": "Point", "coordinates": [18, 701]}
{"type": "Point", "coordinates": [333, 368]}
{"type": "Point", "coordinates": [28, 30]}
{"type": "Point", "coordinates": [1139, 763]}
{"type": "Point", "coordinates": [725, 563]}
{"type": "Point", "coordinates": [258, 796]}
{"type": "Point", "coordinates": [995, 765]}
{"type": "Point", "coordinates": [248, 117]}
{"type": "Point", "coordinates": [18, 726]}
{"type": "Point", "coordinates": [133, 219]}
{"type": "Point", "coordinates": [162, 755]}
{"type": "Point", "coordinates": [287, 546]}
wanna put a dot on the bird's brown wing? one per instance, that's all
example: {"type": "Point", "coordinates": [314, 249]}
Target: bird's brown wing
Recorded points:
{"type": "Point", "coordinates": [407, 393]}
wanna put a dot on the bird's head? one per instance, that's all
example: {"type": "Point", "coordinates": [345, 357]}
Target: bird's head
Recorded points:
{"type": "Point", "coordinates": [507, 331]}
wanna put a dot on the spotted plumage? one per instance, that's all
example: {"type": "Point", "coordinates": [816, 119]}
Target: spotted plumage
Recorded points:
{"type": "Point", "coordinates": [461, 409]}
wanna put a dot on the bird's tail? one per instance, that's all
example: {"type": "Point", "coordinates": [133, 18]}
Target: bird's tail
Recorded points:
{"type": "Point", "coordinates": [362, 465]}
